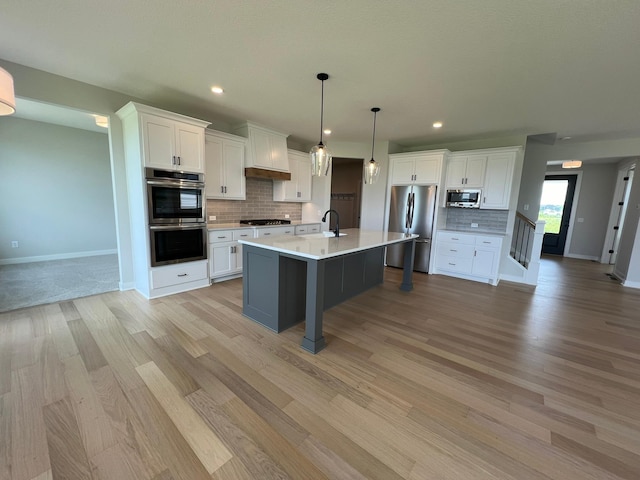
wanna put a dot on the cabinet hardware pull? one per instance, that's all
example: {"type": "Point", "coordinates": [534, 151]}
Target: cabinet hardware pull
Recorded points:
{"type": "Point", "coordinates": [486, 242]}
{"type": "Point", "coordinates": [455, 238]}
{"type": "Point", "coordinates": [183, 274]}
{"type": "Point", "coordinates": [225, 189]}
{"type": "Point", "coordinates": [224, 236]}
{"type": "Point", "coordinates": [267, 233]}
{"type": "Point", "coordinates": [221, 189]}
{"type": "Point", "coordinates": [173, 160]}
{"type": "Point", "coordinates": [452, 264]}
{"type": "Point", "coordinates": [452, 250]}
{"type": "Point", "coordinates": [178, 160]}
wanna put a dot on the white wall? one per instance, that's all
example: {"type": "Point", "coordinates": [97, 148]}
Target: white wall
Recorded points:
{"type": "Point", "coordinates": [594, 198]}
{"type": "Point", "coordinates": [56, 195]}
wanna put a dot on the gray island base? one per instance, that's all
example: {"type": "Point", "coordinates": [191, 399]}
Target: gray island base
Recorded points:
{"type": "Point", "coordinates": [289, 279]}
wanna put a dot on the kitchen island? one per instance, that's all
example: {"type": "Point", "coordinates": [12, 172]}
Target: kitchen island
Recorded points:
{"type": "Point", "coordinates": [288, 279]}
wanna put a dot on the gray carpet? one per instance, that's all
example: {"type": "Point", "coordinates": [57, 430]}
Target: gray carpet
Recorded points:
{"type": "Point", "coordinates": [38, 283]}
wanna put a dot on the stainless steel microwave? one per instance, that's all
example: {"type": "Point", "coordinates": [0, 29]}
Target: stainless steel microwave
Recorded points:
{"type": "Point", "coordinates": [464, 198]}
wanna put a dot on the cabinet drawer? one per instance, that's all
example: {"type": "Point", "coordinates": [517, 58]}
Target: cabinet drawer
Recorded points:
{"type": "Point", "coordinates": [456, 250]}
{"type": "Point", "coordinates": [485, 241]}
{"type": "Point", "coordinates": [454, 264]}
{"type": "Point", "coordinates": [218, 236]}
{"type": "Point", "coordinates": [454, 237]}
{"type": "Point", "coordinates": [243, 234]}
{"type": "Point", "coordinates": [275, 231]}
{"type": "Point", "coordinates": [177, 274]}
{"type": "Point", "coordinates": [304, 229]}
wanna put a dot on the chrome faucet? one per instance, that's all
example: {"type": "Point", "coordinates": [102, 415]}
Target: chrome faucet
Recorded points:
{"type": "Point", "coordinates": [324, 219]}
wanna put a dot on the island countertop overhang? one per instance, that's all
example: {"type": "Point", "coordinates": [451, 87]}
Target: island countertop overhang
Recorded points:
{"type": "Point", "coordinates": [319, 248]}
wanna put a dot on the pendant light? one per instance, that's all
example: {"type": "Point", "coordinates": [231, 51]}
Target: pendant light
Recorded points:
{"type": "Point", "coordinates": [372, 168]}
{"type": "Point", "coordinates": [320, 156]}
{"type": "Point", "coordinates": [7, 95]}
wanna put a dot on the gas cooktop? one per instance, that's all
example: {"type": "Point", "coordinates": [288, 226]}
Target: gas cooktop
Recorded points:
{"type": "Point", "coordinates": [266, 221]}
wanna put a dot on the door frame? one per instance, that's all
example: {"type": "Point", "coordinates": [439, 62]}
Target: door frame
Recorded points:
{"type": "Point", "coordinates": [574, 205]}
{"type": "Point", "coordinates": [623, 171]}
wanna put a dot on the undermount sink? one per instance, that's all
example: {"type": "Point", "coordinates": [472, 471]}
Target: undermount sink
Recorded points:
{"type": "Point", "coordinates": [323, 235]}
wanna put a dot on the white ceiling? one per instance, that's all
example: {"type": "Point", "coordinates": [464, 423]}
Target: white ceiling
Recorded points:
{"type": "Point", "coordinates": [484, 68]}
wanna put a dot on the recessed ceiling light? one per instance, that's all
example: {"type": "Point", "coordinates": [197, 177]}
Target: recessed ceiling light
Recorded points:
{"type": "Point", "coordinates": [437, 125]}
{"type": "Point", "coordinates": [326, 131]}
{"type": "Point", "coordinates": [565, 138]}
{"type": "Point", "coordinates": [217, 90]}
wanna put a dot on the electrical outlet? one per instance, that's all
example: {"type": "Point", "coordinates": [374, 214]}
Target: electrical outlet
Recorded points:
{"type": "Point", "coordinates": [212, 218]}
{"type": "Point", "coordinates": [14, 244]}
{"type": "Point", "coordinates": [474, 225]}
{"type": "Point", "coordinates": [286, 215]}
{"type": "Point", "coordinates": [526, 206]}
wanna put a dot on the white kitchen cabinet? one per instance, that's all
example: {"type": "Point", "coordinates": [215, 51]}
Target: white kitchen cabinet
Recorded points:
{"type": "Point", "coordinates": [498, 179]}
{"type": "Point", "coordinates": [466, 170]}
{"type": "Point", "coordinates": [274, 231]}
{"type": "Point", "coordinates": [267, 148]}
{"type": "Point", "coordinates": [153, 138]}
{"type": "Point", "coordinates": [307, 228]}
{"type": "Point", "coordinates": [224, 166]}
{"type": "Point", "coordinates": [423, 168]}
{"type": "Point", "coordinates": [468, 256]}
{"type": "Point", "coordinates": [225, 253]}
{"type": "Point", "coordinates": [172, 278]}
{"type": "Point", "coordinates": [172, 145]}
{"type": "Point", "coordinates": [298, 189]}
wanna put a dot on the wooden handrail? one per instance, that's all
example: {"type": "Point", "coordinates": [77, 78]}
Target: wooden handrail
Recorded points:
{"type": "Point", "coordinates": [525, 219]}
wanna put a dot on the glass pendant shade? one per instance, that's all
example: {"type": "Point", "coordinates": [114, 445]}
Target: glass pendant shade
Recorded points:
{"type": "Point", "coordinates": [7, 95]}
{"type": "Point", "coordinates": [320, 160]}
{"type": "Point", "coordinates": [320, 155]}
{"type": "Point", "coordinates": [371, 172]}
{"type": "Point", "coordinates": [372, 168]}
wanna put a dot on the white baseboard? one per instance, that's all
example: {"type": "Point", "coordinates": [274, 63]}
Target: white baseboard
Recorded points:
{"type": "Point", "coordinates": [631, 284]}
{"type": "Point", "coordinates": [595, 258]}
{"type": "Point", "coordinates": [59, 256]}
{"type": "Point", "coordinates": [127, 286]}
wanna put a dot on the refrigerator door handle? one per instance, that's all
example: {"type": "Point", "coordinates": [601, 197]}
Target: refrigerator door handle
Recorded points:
{"type": "Point", "coordinates": [411, 209]}
{"type": "Point", "coordinates": [407, 215]}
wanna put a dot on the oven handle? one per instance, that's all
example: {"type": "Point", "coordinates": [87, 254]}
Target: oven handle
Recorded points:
{"type": "Point", "coordinates": [175, 183]}
{"type": "Point", "coordinates": [193, 226]}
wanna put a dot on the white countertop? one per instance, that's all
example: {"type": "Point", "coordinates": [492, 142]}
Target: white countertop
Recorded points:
{"type": "Point", "coordinates": [316, 247]}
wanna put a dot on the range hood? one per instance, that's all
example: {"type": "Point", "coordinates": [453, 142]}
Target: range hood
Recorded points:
{"type": "Point", "coordinates": [264, 173]}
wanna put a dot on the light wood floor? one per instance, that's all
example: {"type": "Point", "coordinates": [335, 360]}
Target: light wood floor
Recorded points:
{"type": "Point", "coordinates": [455, 380]}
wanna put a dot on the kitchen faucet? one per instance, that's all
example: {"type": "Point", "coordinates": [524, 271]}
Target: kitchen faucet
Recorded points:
{"type": "Point", "coordinates": [324, 219]}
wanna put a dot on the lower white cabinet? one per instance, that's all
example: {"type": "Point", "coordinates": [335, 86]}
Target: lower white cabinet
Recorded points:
{"type": "Point", "coordinates": [470, 256]}
{"type": "Point", "coordinates": [305, 229]}
{"type": "Point", "coordinates": [275, 231]}
{"type": "Point", "coordinates": [225, 253]}
{"type": "Point", "coordinates": [177, 278]}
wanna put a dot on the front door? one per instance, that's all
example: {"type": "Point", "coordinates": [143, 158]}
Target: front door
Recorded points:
{"type": "Point", "coordinates": [555, 210]}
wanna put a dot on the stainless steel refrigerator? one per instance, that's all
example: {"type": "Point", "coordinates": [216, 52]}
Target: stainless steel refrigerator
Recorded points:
{"type": "Point", "coordinates": [412, 209]}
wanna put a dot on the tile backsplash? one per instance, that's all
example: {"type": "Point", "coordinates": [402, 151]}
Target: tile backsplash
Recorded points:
{"type": "Point", "coordinates": [259, 204]}
{"type": "Point", "coordinates": [487, 220]}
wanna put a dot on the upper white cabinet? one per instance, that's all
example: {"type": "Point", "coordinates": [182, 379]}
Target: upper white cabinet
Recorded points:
{"type": "Point", "coordinates": [224, 166]}
{"type": "Point", "coordinates": [491, 170]}
{"type": "Point", "coordinates": [169, 141]}
{"type": "Point", "coordinates": [466, 170]}
{"type": "Point", "coordinates": [498, 179]}
{"type": "Point", "coordinates": [416, 168]}
{"type": "Point", "coordinates": [298, 189]}
{"type": "Point", "coordinates": [267, 148]}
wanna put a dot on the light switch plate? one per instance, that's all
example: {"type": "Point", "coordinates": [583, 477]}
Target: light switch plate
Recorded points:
{"type": "Point", "coordinates": [212, 217]}
{"type": "Point", "coordinates": [474, 225]}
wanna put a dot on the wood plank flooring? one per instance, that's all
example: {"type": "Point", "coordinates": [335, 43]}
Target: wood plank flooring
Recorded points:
{"type": "Point", "coordinates": [455, 380]}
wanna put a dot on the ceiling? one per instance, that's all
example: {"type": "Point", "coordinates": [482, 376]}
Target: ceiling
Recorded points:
{"type": "Point", "coordinates": [483, 68]}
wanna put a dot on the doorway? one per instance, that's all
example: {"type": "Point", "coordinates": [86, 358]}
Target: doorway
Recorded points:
{"type": "Point", "coordinates": [346, 191]}
{"type": "Point", "coordinates": [555, 209]}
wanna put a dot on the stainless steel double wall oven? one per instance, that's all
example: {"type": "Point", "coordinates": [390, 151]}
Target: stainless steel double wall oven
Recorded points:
{"type": "Point", "coordinates": [177, 221]}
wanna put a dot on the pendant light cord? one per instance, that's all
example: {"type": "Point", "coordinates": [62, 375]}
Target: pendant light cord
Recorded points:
{"type": "Point", "coordinates": [321, 112]}
{"type": "Point", "coordinates": [373, 139]}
